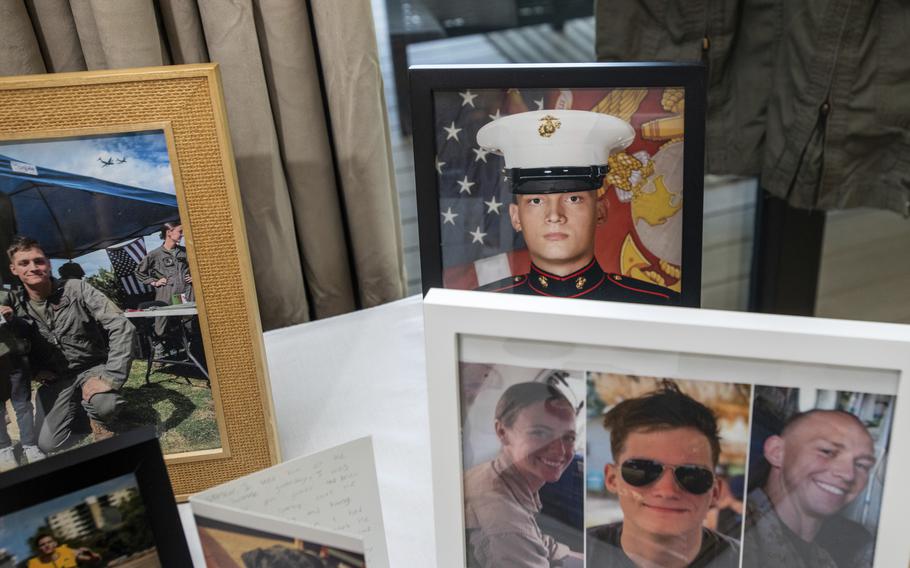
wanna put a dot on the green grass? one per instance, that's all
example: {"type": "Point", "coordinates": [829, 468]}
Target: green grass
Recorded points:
{"type": "Point", "coordinates": [184, 414]}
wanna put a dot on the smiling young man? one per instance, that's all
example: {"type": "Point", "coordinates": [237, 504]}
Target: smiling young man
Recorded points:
{"type": "Point", "coordinates": [81, 347]}
{"type": "Point", "coordinates": [556, 161]}
{"type": "Point", "coordinates": [819, 464]}
{"type": "Point", "coordinates": [665, 447]}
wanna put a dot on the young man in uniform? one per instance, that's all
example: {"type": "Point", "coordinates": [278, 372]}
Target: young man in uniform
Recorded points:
{"type": "Point", "coordinates": [665, 447]}
{"type": "Point", "coordinates": [81, 350]}
{"type": "Point", "coordinates": [819, 464]}
{"type": "Point", "coordinates": [556, 161]}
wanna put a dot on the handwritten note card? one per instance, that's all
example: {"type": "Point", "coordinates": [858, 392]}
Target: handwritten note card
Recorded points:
{"type": "Point", "coordinates": [333, 490]}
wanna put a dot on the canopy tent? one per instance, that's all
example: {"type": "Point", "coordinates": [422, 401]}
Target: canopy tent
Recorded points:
{"type": "Point", "coordinates": [72, 215]}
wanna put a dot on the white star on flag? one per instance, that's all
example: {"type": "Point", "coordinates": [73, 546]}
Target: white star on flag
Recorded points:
{"type": "Point", "coordinates": [496, 116]}
{"type": "Point", "coordinates": [439, 165]}
{"type": "Point", "coordinates": [539, 103]}
{"type": "Point", "coordinates": [493, 206]}
{"type": "Point", "coordinates": [464, 186]}
{"type": "Point", "coordinates": [467, 98]}
{"type": "Point", "coordinates": [480, 154]}
{"type": "Point", "coordinates": [449, 216]}
{"type": "Point", "coordinates": [452, 132]}
{"type": "Point", "coordinates": [478, 236]}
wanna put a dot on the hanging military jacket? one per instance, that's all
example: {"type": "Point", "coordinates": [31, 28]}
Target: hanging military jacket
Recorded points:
{"type": "Point", "coordinates": [812, 95]}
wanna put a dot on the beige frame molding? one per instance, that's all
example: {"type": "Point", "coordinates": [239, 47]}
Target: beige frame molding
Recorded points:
{"type": "Point", "coordinates": [185, 102]}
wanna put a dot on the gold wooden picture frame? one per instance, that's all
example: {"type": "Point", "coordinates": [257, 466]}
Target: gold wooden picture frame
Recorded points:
{"type": "Point", "coordinates": [184, 105]}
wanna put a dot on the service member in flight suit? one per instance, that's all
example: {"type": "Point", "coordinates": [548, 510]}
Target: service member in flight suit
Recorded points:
{"type": "Point", "coordinates": [556, 161]}
{"type": "Point", "coordinates": [167, 270]}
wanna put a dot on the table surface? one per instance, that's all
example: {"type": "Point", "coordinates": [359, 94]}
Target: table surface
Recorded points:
{"type": "Point", "coordinates": [360, 374]}
{"type": "Point", "coordinates": [177, 310]}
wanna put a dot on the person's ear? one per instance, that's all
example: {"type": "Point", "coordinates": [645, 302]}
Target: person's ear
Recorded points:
{"type": "Point", "coordinates": [601, 209]}
{"type": "Point", "coordinates": [715, 491]}
{"type": "Point", "coordinates": [501, 433]}
{"type": "Point", "coordinates": [774, 451]}
{"type": "Point", "coordinates": [611, 480]}
{"type": "Point", "coordinates": [513, 216]}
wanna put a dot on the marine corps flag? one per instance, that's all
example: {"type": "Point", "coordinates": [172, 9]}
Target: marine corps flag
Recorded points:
{"type": "Point", "coordinates": [124, 260]}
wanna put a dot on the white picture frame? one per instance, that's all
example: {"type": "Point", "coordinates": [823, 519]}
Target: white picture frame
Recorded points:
{"type": "Point", "coordinates": [686, 342]}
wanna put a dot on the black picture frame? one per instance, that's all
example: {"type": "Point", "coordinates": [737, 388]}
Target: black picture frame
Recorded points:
{"type": "Point", "coordinates": [137, 452]}
{"type": "Point", "coordinates": [426, 80]}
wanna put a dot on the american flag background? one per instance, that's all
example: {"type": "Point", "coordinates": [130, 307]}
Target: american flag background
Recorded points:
{"type": "Point", "coordinates": [643, 234]}
{"type": "Point", "coordinates": [124, 260]}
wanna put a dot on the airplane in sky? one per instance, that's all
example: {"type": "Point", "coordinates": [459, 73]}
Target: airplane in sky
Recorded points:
{"type": "Point", "coordinates": [106, 163]}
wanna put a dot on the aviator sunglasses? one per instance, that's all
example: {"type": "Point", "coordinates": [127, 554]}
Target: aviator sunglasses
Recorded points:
{"type": "Point", "coordinates": [693, 478]}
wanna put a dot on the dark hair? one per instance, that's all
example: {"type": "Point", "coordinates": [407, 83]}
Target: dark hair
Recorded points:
{"type": "Point", "coordinates": [663, 409]}
{"type": "Point", "coordinates": [521, 395]}
{"type": "Point", "coordinates": [21, 243]}
{"type": "Point", "coordinates": [70, 270]}
{"type": "Point", "coordinates": [165, 227]}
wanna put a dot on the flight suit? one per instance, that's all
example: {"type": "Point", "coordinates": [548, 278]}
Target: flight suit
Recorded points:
{"type": "Point", "coordinates": [78, 334]}
{"type": "Point", "coordinates": [171, 264]}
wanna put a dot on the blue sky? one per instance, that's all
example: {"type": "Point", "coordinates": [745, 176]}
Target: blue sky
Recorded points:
{"type": "Point", "coordinates": [147, 166]}
{"type": "Point", "coordinates": [16, 528]}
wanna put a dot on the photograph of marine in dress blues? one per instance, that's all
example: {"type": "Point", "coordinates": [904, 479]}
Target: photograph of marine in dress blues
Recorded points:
{"type": "Point", "coordinates": [100, 286]}
{"type": "Point", "coordinates": [522, 451]}
{"type": "Point", "coordinates": [102, 525]}
{"type": "Point", "coordinates": [666, 465]}
{"type": "Point", "coordinates": [816, 476]}
{"type": "Point", "coordinates": [226, 545]}
{"type": "Point", "coordinates": [641, 238]}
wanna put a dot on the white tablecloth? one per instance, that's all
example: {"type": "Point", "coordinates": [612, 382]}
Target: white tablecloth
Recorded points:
{"type": "Point", "coordinates": [355, 375]}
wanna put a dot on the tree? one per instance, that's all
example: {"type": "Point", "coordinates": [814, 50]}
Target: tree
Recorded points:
{"type": "Point", "coordinates": [108, 284]}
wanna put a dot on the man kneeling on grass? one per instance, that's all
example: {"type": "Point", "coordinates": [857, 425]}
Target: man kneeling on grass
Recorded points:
{"type": "Point", "coordinates": [81, 347]}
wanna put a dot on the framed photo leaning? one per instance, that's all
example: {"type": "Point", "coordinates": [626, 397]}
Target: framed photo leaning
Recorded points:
{"type": "Point", "coordinates": [129, 275]}
{"type": "Point", "coordinates": [581, 181]}
{"type": "Point", "coordinates": [595, 433]}
{"type": "Point", "coordinates": [104, 504]}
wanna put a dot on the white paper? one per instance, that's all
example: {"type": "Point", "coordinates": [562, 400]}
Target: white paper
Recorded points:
{"type": "Point", "coordinates": [333, 490]}
{"type": "Point", "coordinates": [23, 168]}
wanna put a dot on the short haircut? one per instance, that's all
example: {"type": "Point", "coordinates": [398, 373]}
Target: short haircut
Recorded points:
{"type": "Point", "coordinates": [21, 243]}
{"type": "Point", "coordinates": [664, 409]}
{"type": "Point", "coordinates": [70, 270]}
{"type": "Point", "coordinates": [521, 395]}
{"type": "Point", "coordinates": [801, 416]}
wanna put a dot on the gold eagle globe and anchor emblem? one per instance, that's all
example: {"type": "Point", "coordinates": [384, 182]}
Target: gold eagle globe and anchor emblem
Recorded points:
{"type": "Point", "coordinates": [548, 125]}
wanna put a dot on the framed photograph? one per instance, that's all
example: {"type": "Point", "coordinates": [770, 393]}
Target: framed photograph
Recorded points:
{"type": "Point", "coordinates": [128, 296]}
{"type": "Point", "coordinates": [233, 538]}
{"type": "Point", "coordinates": [106, 504]}
{"type": "Point", "coordinates": [587, 433]}
{"type": "Point", "coordinates": [581, 181]}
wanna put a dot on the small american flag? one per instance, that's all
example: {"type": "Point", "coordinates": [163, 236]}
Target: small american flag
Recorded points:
{"type": "Point", "coordinates": [124, 260]}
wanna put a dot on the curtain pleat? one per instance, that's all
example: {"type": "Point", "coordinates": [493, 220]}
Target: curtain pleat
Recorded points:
{"type": "Point", "coordinates": [183, 29]}
{"type": "Point", "coordinates": [353, 84]}
{"type": "Point", "coordinates": [290, 62]}
{"type": "Point", "coordinates": [55, 30]}
{"type": "Point", "coordinates": [318, 193]}
{"type": "Point", "coordinates": [230, 31]}
{"type": "Point", "coordinates": [19, 50]}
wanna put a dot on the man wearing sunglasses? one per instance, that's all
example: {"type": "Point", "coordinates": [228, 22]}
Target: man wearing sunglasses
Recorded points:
{"type": "Point", "coordinates": [555, 162]}
{"type": "Point", "coordinates": [665, 447]}
{"type": "Point", "coordinates": [819, 463]}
